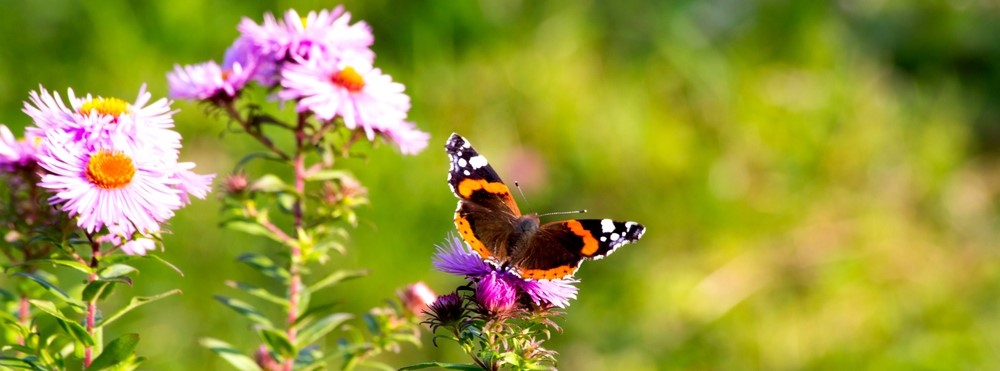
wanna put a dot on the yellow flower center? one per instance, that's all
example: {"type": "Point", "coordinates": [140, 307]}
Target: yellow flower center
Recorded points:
{"type": "Point", "coordinates": [105, 106]}
{"type": "Point", "coordinates": [349, 79]}
{"type": "Point", "coordinates": [110, 170]}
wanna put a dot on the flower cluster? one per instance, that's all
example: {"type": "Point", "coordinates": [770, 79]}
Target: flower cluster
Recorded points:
{"type": "Point", "coordinates": [321, 62]}
{"type": "Point", "coordinates": [497, 288]}
{"type": "Point", "coordinates": [498, 318]}
{"type": "Point", "coordinates": [111, 165]}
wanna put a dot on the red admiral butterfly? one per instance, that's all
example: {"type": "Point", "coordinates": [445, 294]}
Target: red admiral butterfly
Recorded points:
{"type": "Point", "coordinates": [491, 223]}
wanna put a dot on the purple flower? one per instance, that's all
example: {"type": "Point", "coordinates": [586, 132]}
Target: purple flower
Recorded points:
{"type": "Point", "coordinates": [496, 293]}
{"type": "Point", "coordinates": [208, 80]}
{"type": "Point", "coordinates": [453, 257]}
{"type": "Point", "coordinates": [16, 153]}
{"type": "Point", "coordinates": [298, 38]}
{"type": "Point", "coordinates": [446, 310]}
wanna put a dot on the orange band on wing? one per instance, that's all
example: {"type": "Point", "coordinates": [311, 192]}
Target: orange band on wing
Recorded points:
{"type": "Point", "coordinates": [469, 186]}
{"type": "Point", "coordinates": [548, 274]}
{"type": "Point", "coordinates": [465, 229]}
{"type": "Point", "coordinates": [589, 242]}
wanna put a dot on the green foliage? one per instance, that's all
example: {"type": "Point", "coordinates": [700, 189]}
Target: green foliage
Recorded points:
{"type": "Point", "coordinates": [818, 179]}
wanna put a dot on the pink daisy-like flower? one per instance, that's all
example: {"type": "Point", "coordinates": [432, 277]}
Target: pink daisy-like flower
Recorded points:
{"type": "Point", "coordinates": [455, 258]}
{"type": "Point", "coordinates": [15, 153]}
{"type": "Point", "coordinates": [139, 246]}
{"type": "Point", "coordinates": [406, 136]}
{"type": "Point", "coordinates": [208, 81]}
{"type": "Point", "coordinates": [297, 38]}
{"type": "Point", "coordinates": [261, 66]}
{"type": "Point", "coordinates": [123, 189]}
{"type": "Point", "coordinates": [191, 184]}
{"type": "Point", "coordinates": [107, 122]}
{"type": "Point", "coordinates": [352, 90]}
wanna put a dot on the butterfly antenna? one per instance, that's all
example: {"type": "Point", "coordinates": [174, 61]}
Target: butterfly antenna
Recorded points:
{"type": "Point", "coordinates": [583, 211]}
{"type": "Point", "coordinates": [518, 186]}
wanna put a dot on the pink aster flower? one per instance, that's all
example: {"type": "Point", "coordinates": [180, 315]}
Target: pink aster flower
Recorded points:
{"type": "Point", "coordinates": [455, 258]}
{"type": "Point", "coordinates": [208, 81]}
{"type": "Point", "coordinates": [107, 122]}
{"type": "Point", "coordinates": [406, 136]}
{"type": "Point", "coordinates": [124, 189]}
{"type": "Point", "coordinates": [191, 184]}
{"type": "Point", "coordinates": [296, 37]}
{"type": "Point", "coordinates": [16, 153]}
{"type": "Point", "coordinates": [139, 246]}
{"type": "Point", "coordinates": [352, 90]}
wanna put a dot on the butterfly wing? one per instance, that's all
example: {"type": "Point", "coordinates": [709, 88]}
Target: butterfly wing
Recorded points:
{"type": "Point", "coordinates": [486, 212]}
{"type": "Point", "coordinates": [556, 250]}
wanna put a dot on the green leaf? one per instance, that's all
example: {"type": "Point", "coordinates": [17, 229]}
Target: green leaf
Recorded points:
{"type": "Point", "coordinates": [166, 263]}
{"type": "Point", "coordinates": [135, 303]}
{"type": "Point", "coordinates": [12, 362]}
{"type": "Point", "coordinates": [337, 277]}
{"type": "Point", "coordinates": [50, 308]}
{"type": "Point", "coordinates": [328, 175]}
{"type": "Point", "coordinates": [250, 227]}
{"type": "Point", "coordinates": [77, 331]}
{"type": "Point", "coordinates": [245, 309]}
{"type": "Point", "coordinates": [47, 285]}
{"type": "Point", "coordinates": [269, 183]}
{"type": "Point", "coordinates": [448, 366]}
{"type": "Point", "coordinates": [63, 262]}
{"type": "Point", "coordinates": [117, 351]}
{"type": "Point", "coordinates": [259, 292]}
{"type": "Point", "coordinates": [116, 270]}
{"type": "Point", "coordinates": [278, 342]}
{"type": "Point", "coordinates": [264, 265]}
{"type": "Point", "coordinates": [320, 328]}
{"type": "Point", "coordinates": [230, 354]}
{"type": "Point", "coordinates": [97, 288]}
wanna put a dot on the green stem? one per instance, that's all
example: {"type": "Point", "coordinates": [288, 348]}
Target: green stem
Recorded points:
{"type": "Point", "coordinates": [295, 262]}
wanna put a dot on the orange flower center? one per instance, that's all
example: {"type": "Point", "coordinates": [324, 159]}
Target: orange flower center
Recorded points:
{"type": "Point", "coordinates": [349, 79]}
{"type": "Point", "coordinates": [110, 170]}
{"type": "Point", "coordinates": [105, 106]}
{"type": "Point", "coordinates": [225, 75]}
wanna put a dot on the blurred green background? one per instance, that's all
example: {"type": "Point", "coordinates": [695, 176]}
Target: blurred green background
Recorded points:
{"type": "Point", "coordinates": [819, 180]}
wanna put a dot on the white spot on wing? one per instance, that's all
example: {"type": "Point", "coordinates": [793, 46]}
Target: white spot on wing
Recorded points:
{"type": "Point", "coordinates": [467, 173]}
{"type": "Point", "coordinates": [477, 162]}
{"type": "Point", "coordinates": [615, 236]}
{"type": "Point", "coordinates": [462, 162]}
{"type": "Point", "coordinates": [607, 226]}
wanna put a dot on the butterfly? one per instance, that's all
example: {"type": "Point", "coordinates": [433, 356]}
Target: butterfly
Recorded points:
{"type": "Point", "coordinates": [491, 224]}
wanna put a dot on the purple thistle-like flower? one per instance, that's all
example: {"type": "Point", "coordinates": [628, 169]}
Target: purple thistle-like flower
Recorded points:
{"type": "Point", "coordinates": [452, 257]}
{"type": "Point", "coordinates": [455, 258]}
{"type": "Point", "coordinates": [495, 293]}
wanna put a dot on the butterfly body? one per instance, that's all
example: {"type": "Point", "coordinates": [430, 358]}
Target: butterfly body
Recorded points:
{"type": "Point", "coordinates": [491, 223]}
